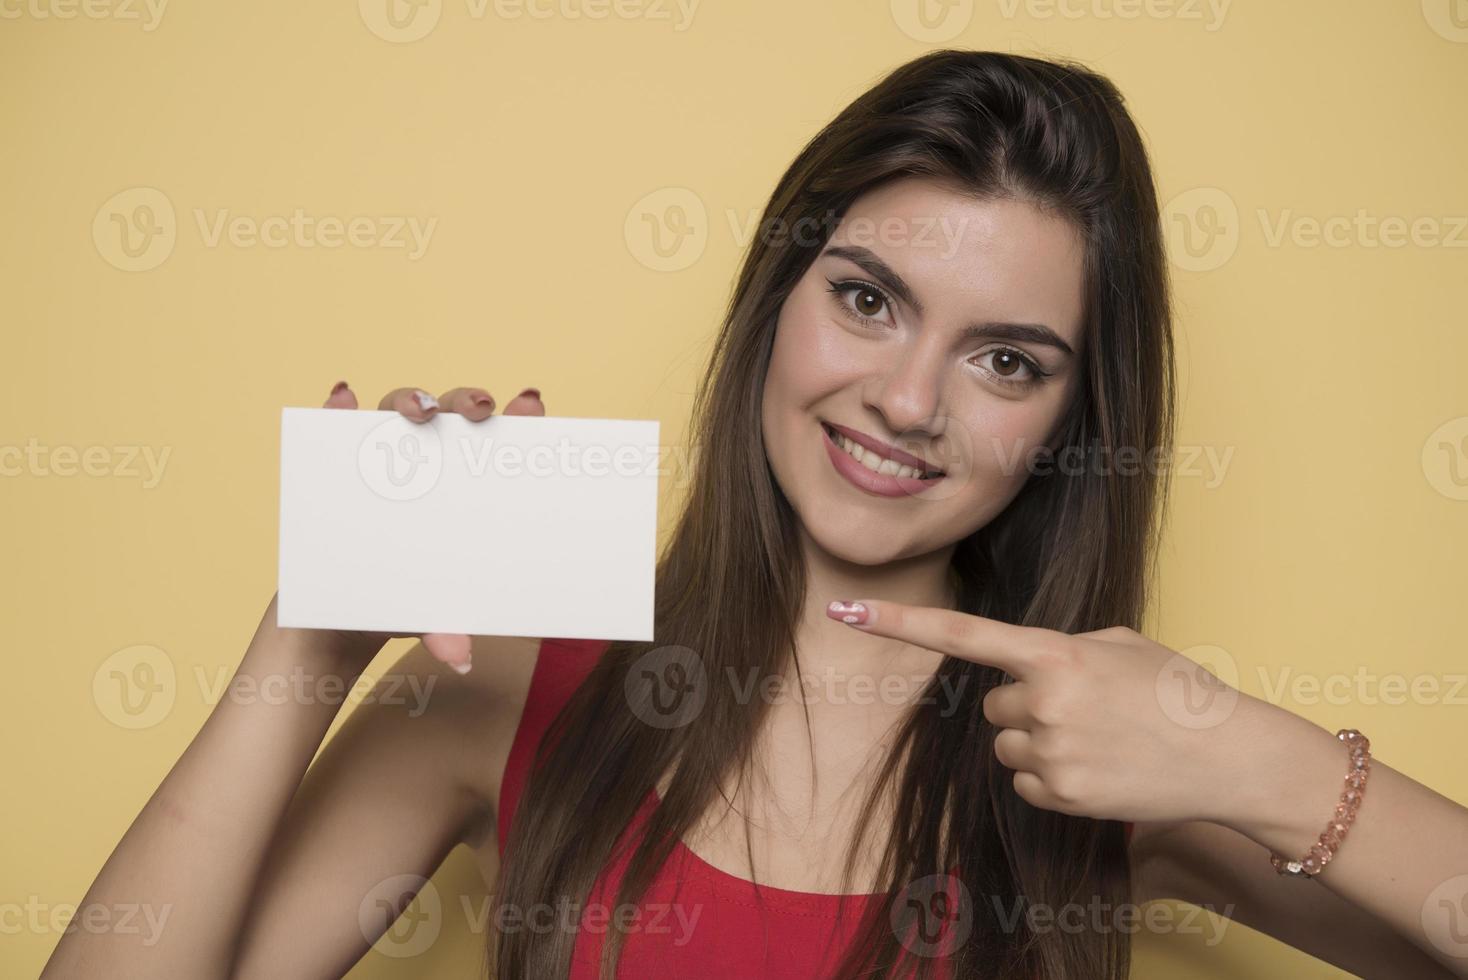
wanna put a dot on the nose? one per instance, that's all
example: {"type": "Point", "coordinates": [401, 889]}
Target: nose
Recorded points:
{"type": "Point", "coordinates": [908, 392]}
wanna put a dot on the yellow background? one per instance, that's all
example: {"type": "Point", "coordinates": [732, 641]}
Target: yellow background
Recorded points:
{"type": "Point", "coordinates": [1334, 542]}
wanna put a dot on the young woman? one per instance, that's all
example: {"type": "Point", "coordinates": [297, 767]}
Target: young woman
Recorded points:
{"type": "Point", "coordinates": [932, 447]}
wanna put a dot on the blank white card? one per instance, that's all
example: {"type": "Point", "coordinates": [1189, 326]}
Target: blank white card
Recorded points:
{"type": "Point", "coordinates": [514, 526]}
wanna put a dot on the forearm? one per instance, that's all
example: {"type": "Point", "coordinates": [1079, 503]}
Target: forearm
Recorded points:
{"type": "Point", "coordinates": [188, 863]}
{"type": "Point", "coordinates": [1405, 857]}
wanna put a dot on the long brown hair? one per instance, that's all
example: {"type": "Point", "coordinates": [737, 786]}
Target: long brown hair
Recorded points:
{"type": "Point", "coordinates": [1073, 551]}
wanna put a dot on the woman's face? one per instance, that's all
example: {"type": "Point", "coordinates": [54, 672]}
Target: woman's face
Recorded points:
{"type": "Point", "coordinates": [945, 326]}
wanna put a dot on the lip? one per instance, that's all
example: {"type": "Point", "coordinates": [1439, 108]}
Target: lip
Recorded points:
{"type": "Point", "coordinates": [880, 484]}
{"type": "Point", "coordinates": [883, 448]}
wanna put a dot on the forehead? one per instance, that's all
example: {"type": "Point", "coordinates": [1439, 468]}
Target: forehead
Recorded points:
{"type": "Point", "coordinates": [969, 258]}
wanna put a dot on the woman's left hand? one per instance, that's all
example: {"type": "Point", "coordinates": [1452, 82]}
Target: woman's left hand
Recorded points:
{"type": "Point", "coordinates": [1107, 724]}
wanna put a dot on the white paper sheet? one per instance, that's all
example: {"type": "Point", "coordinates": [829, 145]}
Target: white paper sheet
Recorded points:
{"type": "Point", "coordinates": [514, 526]}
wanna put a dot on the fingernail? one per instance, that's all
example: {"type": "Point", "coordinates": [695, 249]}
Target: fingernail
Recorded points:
{"type": "Point", "coordinates": [425, 401]}
{"type": "Point", "coordinates": [483, 399]}
{"type": "Point", "coordinates": [463, 668]}
{"type": "Point", "coordinates": [338, 387]}
{"type": "Point", "coordinates": [534, 392]}
{"type": "Point", "coordinates": [851, 613]}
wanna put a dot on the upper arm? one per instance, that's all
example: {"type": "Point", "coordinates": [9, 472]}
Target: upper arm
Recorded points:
{"type": "Point", "coordinates": [412, 772]}
{"type": "Point", "coordinates": [1215, 867]}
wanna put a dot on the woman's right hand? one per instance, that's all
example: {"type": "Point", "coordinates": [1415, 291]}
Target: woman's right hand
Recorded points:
{"type": "Point", "coordinates": [418, 405]}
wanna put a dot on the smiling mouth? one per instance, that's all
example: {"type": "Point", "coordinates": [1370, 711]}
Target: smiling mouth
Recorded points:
{"type": "Point", "coordinates": [875, 461]}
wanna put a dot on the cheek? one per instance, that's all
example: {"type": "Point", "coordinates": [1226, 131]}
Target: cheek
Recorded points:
{"type": "Point", "coordinates": [1004, 438]}
{"type": "Point", "coordinates": [810, 356]}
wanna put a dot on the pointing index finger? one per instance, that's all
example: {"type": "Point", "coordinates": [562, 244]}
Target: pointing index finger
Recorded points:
{"type": "Point", "coordinates": [962, 635]}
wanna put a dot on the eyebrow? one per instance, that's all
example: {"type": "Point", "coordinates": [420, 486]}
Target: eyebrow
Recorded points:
{"type": "Point", "coordinates": [1035, 333]}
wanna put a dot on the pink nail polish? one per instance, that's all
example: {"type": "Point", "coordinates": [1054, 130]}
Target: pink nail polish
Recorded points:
{"type": "Point", "coordinates": [338, 387]}
{"type": "Point", "coordinates": [533, 392]}
{"type": "Point", "coordinates": [850, 613]}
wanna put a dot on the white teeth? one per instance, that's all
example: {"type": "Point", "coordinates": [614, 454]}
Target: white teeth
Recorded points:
{"type": "Point", "coordinates": [874, 462]}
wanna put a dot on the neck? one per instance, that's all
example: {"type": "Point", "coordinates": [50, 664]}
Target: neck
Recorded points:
{"type": "Point", "coordinates": [824, 643]}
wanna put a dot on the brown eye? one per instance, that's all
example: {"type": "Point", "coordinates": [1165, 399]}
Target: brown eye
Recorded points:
{"type": "Point", "coordinates": [1011, 367]}
{"type": "Point", "coordinates": [868, 303]}
{"type": "Point", "coordinates": [862, 302]}
{"type": "Point", "coordinates": [1006, 363]}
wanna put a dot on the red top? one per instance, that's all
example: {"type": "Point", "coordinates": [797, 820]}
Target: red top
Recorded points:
{"type": "Point", "coordinates": [694, 920]}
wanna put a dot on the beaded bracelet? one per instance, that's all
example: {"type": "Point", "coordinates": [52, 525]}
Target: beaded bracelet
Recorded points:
{"type": "Point", "coordinates": [1330, 839]}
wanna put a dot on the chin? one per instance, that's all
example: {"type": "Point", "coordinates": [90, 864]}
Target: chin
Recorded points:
{"type": "Point", "coordinates": [858, 546]}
